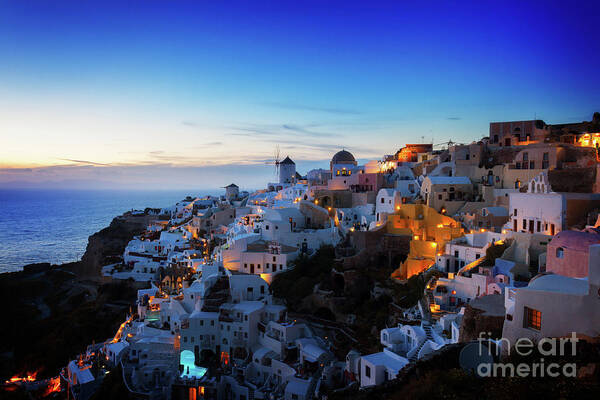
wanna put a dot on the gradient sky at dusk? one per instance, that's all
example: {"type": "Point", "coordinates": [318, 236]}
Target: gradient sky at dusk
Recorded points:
{"type": "Point", "coordinates": [180, 93]}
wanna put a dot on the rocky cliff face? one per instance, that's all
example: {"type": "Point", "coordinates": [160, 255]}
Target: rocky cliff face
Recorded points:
{"type": "Point", "coordinates": [484, 314]}
{"type": "Point", "coordinates": [107, 246]}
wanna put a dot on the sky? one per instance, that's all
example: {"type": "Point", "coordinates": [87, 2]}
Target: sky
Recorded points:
{"type": "Point", "coordinates": [198, 94]}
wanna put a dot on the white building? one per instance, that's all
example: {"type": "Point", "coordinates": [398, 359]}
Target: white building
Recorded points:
{"type": "Point", "coordinates": [288, 226]}
{"type": "Point", "coordinates": [402, 344]}
{"type": "Point", "coordinates": [232, 191]}
{"type": "Point", "coordinates": [387, 202]}
{"type": "Point", "coordinates": [540, 210]}
{"type": "Point", "coordinates": [266, 259]}
{"type": "Point", "coordinates": [465, 250]}
{"type": "Point", "coordinates": [553, 306]}
{"type": "Point", "coordinates": [287, 171]}
{"type": "Point", "coordinates": [342, 164]}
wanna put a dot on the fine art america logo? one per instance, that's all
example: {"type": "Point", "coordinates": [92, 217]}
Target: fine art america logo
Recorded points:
{"type": "Point", "coordinates": [481, 357]}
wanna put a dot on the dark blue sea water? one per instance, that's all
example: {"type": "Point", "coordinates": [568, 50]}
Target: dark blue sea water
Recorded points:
{"type": "Point", "coordinates": [54, 225]}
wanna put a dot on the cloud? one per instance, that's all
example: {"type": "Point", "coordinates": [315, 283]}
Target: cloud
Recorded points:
{"type": "Point", "coordinates": [453, 118]}
{"type": "Point", "coordinates": [303, 130]}
{"type": "Point", "coordinates": [83, 162]}
{"type": "Point", "coordinates": [16, 170]}
{"type": "Point", "coordinates": [251, 130]}
{"type": "Point", "coordinates": [303, 107]}
{"type": "Point", "coordinates": [189, 123]}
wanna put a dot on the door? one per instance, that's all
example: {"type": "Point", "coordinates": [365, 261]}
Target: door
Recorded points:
{"type": "Point", "coordinates": [515, 225]}
{"type": "Point", "coordinates": [251, 268]}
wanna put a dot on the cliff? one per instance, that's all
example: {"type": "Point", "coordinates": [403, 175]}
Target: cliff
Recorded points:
{"type": "Point", "coordinates": [484, 314]}
{"type": "Point", "coordinates": [107, 246]}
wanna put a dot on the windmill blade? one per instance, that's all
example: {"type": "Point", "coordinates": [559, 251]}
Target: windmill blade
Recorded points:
{"type": "Point", "coordinates": [277, 160]}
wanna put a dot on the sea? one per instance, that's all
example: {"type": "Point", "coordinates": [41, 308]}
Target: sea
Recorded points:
{"type": "Point", "coordinates": [54, 225]}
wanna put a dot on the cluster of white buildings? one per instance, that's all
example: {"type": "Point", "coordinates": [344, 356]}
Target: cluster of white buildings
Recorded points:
{"type": "Point", "coordinates": [209, 327]}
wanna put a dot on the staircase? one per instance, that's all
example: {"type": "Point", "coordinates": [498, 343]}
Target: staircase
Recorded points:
{"type": "Point", "coordinates": [415, 355]}
{"type": "Point", "coordinates": [429, 293]}
{"type": "Point", "coordinates": [427, 328]}
{"type": "Point", "coordinates": [429, 336]}
{"type": "Point", "coordinates": [217, 295]}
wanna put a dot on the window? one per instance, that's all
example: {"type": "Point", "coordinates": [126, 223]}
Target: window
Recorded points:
{"type": "Point", "coordinates": [525, 157]}
{"type": "Point", "coordinates": [477, 256]}
{"type": "Point", "coordinates": [382, 200]}
{"type": "Point", "coordinates": [274, 259]}
{"type": "Point", "coordinates": [439, 196]}
{"type": "Point", "coordinates": [367, 371]}
{"type": "Point", "coordinates": [539, 226]}
{"type": "Point", "coordinates": [524, 223]}
{"type": "Point", "coordinates": [533, 318]}
{"type": "Point", "coordinates": [560, 252]}
{"type": "Point", "coordinates": [531, 164]}
{"type": "Point", "coordinates": [515, 212]}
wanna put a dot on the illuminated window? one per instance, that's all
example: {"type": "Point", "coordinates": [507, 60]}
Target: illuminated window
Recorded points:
{"type": "Point", "coordinates": [533, 318]}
